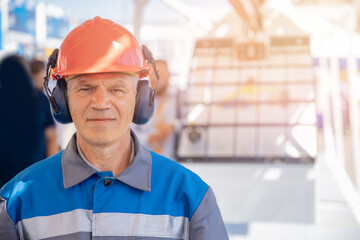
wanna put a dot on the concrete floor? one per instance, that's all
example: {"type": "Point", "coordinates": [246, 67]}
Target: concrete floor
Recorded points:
{"type": "Point", "coordinates": [280, 201]}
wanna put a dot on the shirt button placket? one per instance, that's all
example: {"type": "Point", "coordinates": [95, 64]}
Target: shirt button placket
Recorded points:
{"type": "Point", "coordinates": [99, 191]}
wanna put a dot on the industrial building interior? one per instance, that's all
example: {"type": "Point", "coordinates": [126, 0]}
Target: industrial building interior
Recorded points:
{"type": "Point", "coordinates": [268, 111]}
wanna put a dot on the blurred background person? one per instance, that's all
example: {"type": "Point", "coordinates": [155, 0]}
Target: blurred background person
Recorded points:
{"type": "Point", "coordinates": [159, 133]}
{"type": "Point", "coordinates": [48, 140]}
{"type": "Point", "coordinates": [19, 134]}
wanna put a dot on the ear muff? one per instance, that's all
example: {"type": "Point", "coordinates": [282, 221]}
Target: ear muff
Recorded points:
{"type": "Point", "coordinates": [62, 115]}
{"type": "Point", "coordinates": [145, 95]}
{"type": "Point", "coordinates": [58, 97]}
{"type": "Point", "coordinates": [144, 106]}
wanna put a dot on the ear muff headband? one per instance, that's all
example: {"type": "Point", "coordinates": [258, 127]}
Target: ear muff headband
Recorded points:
{"type": "Point", "coordinates": [51, 64]}
{"type": "Point", "coordinates": [150, 59]}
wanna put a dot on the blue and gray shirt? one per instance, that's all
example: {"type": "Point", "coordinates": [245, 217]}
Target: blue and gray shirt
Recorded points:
{"type": "Point", "coordinates": [63, 198]}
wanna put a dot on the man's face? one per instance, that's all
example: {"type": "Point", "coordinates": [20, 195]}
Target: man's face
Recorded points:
{"type": "Point", "coordinates": [102, 106]}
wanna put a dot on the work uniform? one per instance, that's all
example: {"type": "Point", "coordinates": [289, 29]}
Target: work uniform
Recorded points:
{"type": "Point", "coordinates": [64, 197]}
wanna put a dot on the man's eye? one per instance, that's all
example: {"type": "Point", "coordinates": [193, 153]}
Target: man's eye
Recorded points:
{"type": "Point", "coordinates": [118, 90]}
{"type": "Point", "coordinates": [84, 89]}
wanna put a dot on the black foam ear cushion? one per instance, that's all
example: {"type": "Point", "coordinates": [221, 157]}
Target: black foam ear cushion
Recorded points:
{"type": "Point", "coordinates": [144, 107]}
{"type": "Point", "coordinates": [60, 95]}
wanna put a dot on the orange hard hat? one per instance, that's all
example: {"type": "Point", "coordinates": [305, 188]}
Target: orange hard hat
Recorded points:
{"type": "Point", "coordinates": [100, 46]}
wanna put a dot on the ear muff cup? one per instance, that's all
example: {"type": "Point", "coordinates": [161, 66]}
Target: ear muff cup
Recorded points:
{"type": "Point", "coordinates": [60, 95]}
{"type": "Point", "coordinates": [144, 107]}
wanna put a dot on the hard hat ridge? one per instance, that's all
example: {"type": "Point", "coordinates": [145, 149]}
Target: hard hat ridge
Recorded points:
{"type": "Point", "coordinates": [98, 46]}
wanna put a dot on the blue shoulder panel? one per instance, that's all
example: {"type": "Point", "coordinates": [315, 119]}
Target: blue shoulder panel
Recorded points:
{"type": "Point", "coordinates": [39, 191]}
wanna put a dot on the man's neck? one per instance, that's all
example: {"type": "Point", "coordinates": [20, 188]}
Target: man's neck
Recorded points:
{"type": "Point", "coordinates": [114, 157]}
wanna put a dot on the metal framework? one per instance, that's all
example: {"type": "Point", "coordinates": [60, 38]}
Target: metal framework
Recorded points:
{"type": "Point", "coordinates": [255, 108]}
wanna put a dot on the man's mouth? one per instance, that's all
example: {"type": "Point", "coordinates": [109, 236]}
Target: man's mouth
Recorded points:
{"type": "Point", "coordinates": [100, 119]}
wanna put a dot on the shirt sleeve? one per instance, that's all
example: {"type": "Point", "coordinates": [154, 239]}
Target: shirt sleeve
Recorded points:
{"type": "Point", "coordinates": [7, 227]}
{"type": "Point", "coordinates": [207, 223]}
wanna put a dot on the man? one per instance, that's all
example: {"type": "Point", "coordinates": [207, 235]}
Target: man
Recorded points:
{"type": "Point", "coordinates": [159, 133]}
{"type": "Point", "coordinates": [105, 184]}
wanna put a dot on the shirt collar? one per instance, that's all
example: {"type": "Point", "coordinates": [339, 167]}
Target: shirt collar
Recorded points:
{"type": "Point", "coordinates": [137, 174]}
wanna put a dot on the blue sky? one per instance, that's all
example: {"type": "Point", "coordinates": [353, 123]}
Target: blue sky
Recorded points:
{"type": "Point", "coordinates": [122, 11]}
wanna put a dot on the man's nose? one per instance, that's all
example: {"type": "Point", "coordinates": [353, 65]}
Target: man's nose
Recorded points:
{"type": "Point", "coordinates": [100, 99]}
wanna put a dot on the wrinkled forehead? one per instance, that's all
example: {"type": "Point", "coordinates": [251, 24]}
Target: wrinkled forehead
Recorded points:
{"type": "Point", "coordinates": [106, 78]}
